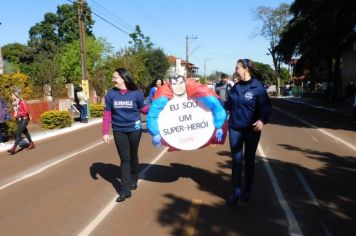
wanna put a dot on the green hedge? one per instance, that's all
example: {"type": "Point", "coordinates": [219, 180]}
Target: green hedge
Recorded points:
{"type": "Point", "coordinates": [9, 129]}
{"type": "Point", "coordinates": [56, 119]}
{"type": "Point", "coordinates": [96, 110]}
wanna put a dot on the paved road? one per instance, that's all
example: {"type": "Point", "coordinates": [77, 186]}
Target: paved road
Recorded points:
{"type": "Point", "coordinates": [304, 184]}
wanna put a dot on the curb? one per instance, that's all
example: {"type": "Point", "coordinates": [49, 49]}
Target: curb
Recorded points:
{"type": "Point", "coordinates": [50, 133]}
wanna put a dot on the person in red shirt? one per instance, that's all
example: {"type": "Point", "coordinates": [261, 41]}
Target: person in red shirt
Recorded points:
{"type": "Point", "coordinates": [22, 119]}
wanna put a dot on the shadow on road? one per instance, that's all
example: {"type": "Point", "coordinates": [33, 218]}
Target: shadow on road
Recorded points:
{"type": "Point", "coordinates": [318, 117]}
{"type": "Point", "coordinates": [333, 185]}
{"type": "Point", "coordinates": [109, 172]}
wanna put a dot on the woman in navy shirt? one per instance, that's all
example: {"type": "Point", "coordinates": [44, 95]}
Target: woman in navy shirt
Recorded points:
{"type": "Point", "coordinates": [250, 108]}
{"type": "Point", "coordinates": [123, 105]}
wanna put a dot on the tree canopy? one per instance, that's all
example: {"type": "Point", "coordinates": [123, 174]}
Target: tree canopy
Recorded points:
{"type": "Point", "coordinates": [273, 22]}
{"type": "Point", "coordinates": [58, 28]}
{"type": "Point", "coordinates": [318, 33]}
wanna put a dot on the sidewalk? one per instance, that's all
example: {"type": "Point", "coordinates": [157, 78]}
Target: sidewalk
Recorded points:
{"type": "Point", "coordinates": [318, 103]}
{"type": "Point", "coordinates": [39, 134]}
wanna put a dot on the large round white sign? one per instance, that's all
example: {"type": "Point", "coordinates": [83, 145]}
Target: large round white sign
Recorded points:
{"type": "Point", "coordinates": [185, 124]}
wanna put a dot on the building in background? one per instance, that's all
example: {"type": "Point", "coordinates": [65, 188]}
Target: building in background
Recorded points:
{"type": "Point", "coordinates": [181, 67]}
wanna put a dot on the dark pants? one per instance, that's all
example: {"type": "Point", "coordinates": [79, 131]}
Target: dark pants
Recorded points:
{"type": "Point", "coordinates": [83, 112]}
{"type": "Point", "coordinates": [22, 129]}
{"type": "Point", "coordinates": [127, 148]}
{"type": "Point", "coordinates": [1, 132]}
{"type": "Point", "coordinates": [247, 139]}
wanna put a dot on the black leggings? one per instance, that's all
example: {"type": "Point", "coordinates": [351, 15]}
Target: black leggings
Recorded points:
{"type": "Point", "coordinates": [127, 148]}
{"type": "Point", "coordinates": [22, 129]}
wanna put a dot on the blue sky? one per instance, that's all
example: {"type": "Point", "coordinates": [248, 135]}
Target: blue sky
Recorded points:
{"type": "Point", "coordinates": [224, 28]}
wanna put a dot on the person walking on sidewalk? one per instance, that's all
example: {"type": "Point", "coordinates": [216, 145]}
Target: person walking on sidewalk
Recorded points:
{"type": "Point", "coordinates": [22, 116]}
{"type": "Point", "coordinates": [123, 105]}
{"type": "Point", "coordinates": [250, 109]}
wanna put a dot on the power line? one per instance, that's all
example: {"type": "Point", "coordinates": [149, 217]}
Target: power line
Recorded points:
{"type": "Point", "coordinates": [102, 18]}
{"type": "Point", "coordinates": [114, 17]}
{"type": "Point", "coordinates": [110, 23]}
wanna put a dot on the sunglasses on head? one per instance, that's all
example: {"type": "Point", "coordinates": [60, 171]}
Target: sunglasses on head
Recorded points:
{"type": "Point", "coordinates": [245, 62]}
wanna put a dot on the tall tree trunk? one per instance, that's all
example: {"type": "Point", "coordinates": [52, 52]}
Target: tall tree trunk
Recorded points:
{"type": "Point", "coordinates": [277, 70]}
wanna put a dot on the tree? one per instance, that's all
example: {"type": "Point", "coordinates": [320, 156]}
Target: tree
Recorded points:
{"type": "Point", "coordinates": [144, 62]}
{"type": "Point", "coordinates": [16, 55]}
{"type": "Point", "coordinates": [58, 29]}
{"type": "Point", "coordinates": [319, 32]}
{"type": "Point", "coordinates": [44, 71]}
{"type": "Point", "coordinates": [139, 41]}
{"type": "Point", "coordinates": [267, 73]}
{"type": "Point", "coordinates": [157, 64]}
{"type": "Point", "coordinates": [273, 24]}
{"type": "Point", "coordinates": [8, 81]}
{"type": "Point", "coordinates": [134, 63]}
{"type": "Point", "coordinates": [69, 59]}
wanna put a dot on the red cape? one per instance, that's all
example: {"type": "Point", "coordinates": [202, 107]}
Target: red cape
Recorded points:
{"type": "Point", "coordinates": [194, 90]}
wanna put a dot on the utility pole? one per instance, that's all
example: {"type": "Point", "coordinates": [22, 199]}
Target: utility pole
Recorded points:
{"type": "Point", "coordinates": [205, 59]}
{"type": "Point", "coordinates": [82, 35]}
{"type": "Point", "coordinates": [187, 38]}
{"type": "Point", "coordinates": [1, 62]}
{"type": "Point", "coordinates": [83, 51]}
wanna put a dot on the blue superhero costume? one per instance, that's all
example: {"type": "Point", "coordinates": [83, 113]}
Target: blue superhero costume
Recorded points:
{"type": "Point", "coordinates": [196, 92]}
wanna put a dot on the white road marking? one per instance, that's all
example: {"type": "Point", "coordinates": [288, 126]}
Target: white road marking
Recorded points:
{"type": "Point", "coordinates": [337, 139]}
{"type": "Point", "coordinates": [108, 208]}
{"type": "Point", "coordinates": [293, 228]}
{"type": "Point", "coordinates": [310, 105]}
{"type": "Point", "coordinates": [315, 139]}
{"type": "Point", "coordinates": [307, 188]}
{"type": "Point", "coordinates": [43, 168]}
{"type": "Point", "coordinates": [312, 197]}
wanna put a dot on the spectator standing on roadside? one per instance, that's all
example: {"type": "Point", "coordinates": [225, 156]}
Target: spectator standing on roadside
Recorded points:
{"type": "Point", "coordinates": [223, 87]}
{"type": "Point", "coordinates": [83, 103]}
{"type": "Point", "coordinates": [350, 93]}
{"type": "Point", "coordinates": [354, 110]}
{"type": "Point", "coordinates": [250, 109]}
{"type": "Point", "coordinates": [324, 88]}
{"type": "Point", "coordinates": [22, 116]}
{"type": "Point", "coordinates": [123, 105]}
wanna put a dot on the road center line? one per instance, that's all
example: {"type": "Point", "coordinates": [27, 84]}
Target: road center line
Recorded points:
{"type": "Point", "coordinates": [108, 208]}
{"type": "Point", "coordinates": [312, 197]}
{"type": "Point", "coordinates": [307, 188]}
{"type": "Point", "coordinates": [319, 129]}
{"type": "Point", "coordinates": [193, 213]}
{"type": "Point", "coordinates": [293, 228]}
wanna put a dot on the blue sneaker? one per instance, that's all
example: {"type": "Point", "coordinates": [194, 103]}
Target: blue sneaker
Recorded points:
{"type": "Point", "coordinates": [234, 199]}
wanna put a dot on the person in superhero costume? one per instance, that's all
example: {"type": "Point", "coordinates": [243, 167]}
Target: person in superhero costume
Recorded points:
{"type": "Point", "coordinates": [180, 88]}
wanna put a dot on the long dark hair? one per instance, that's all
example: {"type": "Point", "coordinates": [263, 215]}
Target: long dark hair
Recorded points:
{"type": "Point", "coordinates": [153, 84]}
{"type": "Point", "coordinates": [125, 75]}
{"type": "Point", "coordinates": [247, 63]}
